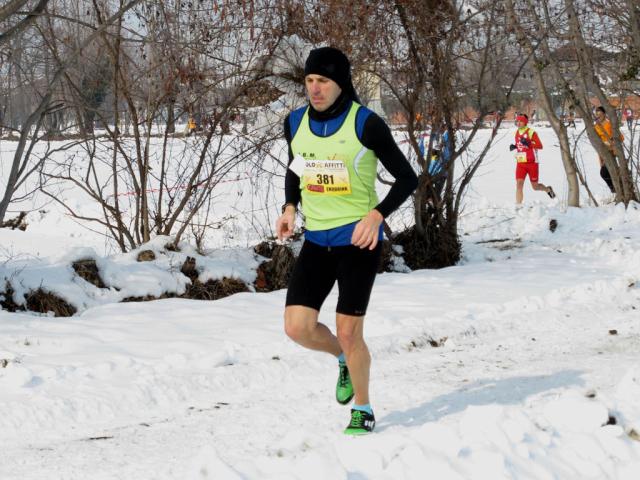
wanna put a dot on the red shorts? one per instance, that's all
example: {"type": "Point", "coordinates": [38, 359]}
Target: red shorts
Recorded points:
{"type": "Point", "coordinates": [528, 168]}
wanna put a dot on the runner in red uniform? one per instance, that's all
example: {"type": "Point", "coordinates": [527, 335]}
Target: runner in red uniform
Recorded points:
{"type": "Point", "coordinates": [526, 145]}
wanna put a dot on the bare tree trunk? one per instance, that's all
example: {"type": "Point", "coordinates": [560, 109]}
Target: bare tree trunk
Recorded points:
{"type": "Point", "coordinates": [171, 117]}
{"type": "Point", "coordinates": [633, 10]}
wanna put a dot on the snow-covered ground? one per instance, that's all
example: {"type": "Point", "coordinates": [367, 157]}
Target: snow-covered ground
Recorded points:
{"type": "Point", "coordinates": [536, 376]}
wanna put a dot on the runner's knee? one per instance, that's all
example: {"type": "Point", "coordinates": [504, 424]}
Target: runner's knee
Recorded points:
{"type": "Point", "coordinates": [297, 326]}
{"type": "Point", "coordinates": [349, 335]}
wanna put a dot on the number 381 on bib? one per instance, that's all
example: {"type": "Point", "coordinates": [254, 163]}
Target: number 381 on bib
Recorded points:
{"type": "Point", "coordinates": [326, 177]}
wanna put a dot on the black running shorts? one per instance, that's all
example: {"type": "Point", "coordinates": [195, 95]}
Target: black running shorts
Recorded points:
{"type": "Point", "coordinates": [318, 268]}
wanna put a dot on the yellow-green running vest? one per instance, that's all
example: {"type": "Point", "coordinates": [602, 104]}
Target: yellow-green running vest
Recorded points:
{"type": "Point", "coordinates": [338, 183]}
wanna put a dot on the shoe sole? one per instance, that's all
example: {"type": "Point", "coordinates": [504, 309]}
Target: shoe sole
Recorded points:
{"type": "Point", "coordinates": [345, 402]}
{"type": "Point", "coordinates": [358, 433]}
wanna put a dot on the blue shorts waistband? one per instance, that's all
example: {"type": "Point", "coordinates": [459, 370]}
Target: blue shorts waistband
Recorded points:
{"type": "Point", "coordinates": [336, 237]}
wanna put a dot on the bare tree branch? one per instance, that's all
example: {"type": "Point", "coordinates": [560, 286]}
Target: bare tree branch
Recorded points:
{"type": "Point", "coordinates": [12, 8]}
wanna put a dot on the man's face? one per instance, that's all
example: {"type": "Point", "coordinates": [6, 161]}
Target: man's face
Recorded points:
{"type": "Point", "coordinates": [322, 91]}
{"type": "Point", "coordinates": [521, 123]}
{"type": "Point", "coordinates": [600, 115]}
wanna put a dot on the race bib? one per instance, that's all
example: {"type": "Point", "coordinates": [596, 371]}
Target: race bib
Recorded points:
{"type": "Point", "coordinates": [326, 177]}
{"type": "Point", "coordinates": [521, 157]}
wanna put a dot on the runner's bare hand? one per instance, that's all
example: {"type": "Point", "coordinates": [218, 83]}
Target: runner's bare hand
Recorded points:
{"type": "Point", "coordinates": [367, 230]}
{"type": "Point", "coordinates": [286, 223]}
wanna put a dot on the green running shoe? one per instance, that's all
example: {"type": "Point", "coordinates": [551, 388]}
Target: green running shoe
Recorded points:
{"type": "Point", "coordinates": [361, 423]}
{"type": "Point", "coordinates": [344, 387]}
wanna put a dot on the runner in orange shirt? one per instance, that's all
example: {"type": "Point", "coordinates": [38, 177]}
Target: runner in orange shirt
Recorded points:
{"type": "Point", "coordinates": [605, 132]}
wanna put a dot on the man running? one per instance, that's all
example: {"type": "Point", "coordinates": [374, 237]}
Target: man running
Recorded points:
{"type": "Point", "coordinates": [334, 147]}
{"type": "Point", "coordinates": [605, 132]}
{"type": "Point", "coordinates": [526, 145]}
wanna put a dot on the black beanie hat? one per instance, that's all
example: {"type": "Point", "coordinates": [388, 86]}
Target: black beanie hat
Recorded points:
{"type": "Point", "coordinates": [331, 63]}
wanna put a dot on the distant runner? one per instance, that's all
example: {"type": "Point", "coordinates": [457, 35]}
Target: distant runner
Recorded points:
{"type": "Point", "coordinates": [605, 132]}
{"type": "Point", "coordinates": [526, 145]}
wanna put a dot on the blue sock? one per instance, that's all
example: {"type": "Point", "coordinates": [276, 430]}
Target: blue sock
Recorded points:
{"type": "Point", "coordinates": [341, 358]}
{"type": "Point", "coordinates": [363, 408]}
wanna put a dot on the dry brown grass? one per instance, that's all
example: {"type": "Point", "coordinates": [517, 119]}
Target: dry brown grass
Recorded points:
{"type": "Point", "coordinates": [43, 301]}
{"type": "Point", "coordinates": [88, 270]}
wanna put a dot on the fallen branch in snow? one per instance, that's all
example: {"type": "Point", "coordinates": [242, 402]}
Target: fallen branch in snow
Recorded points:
{"type": "Point", "coordinates": [504, 243]}
{"type": "Point", "coordinates": [498, 240]}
